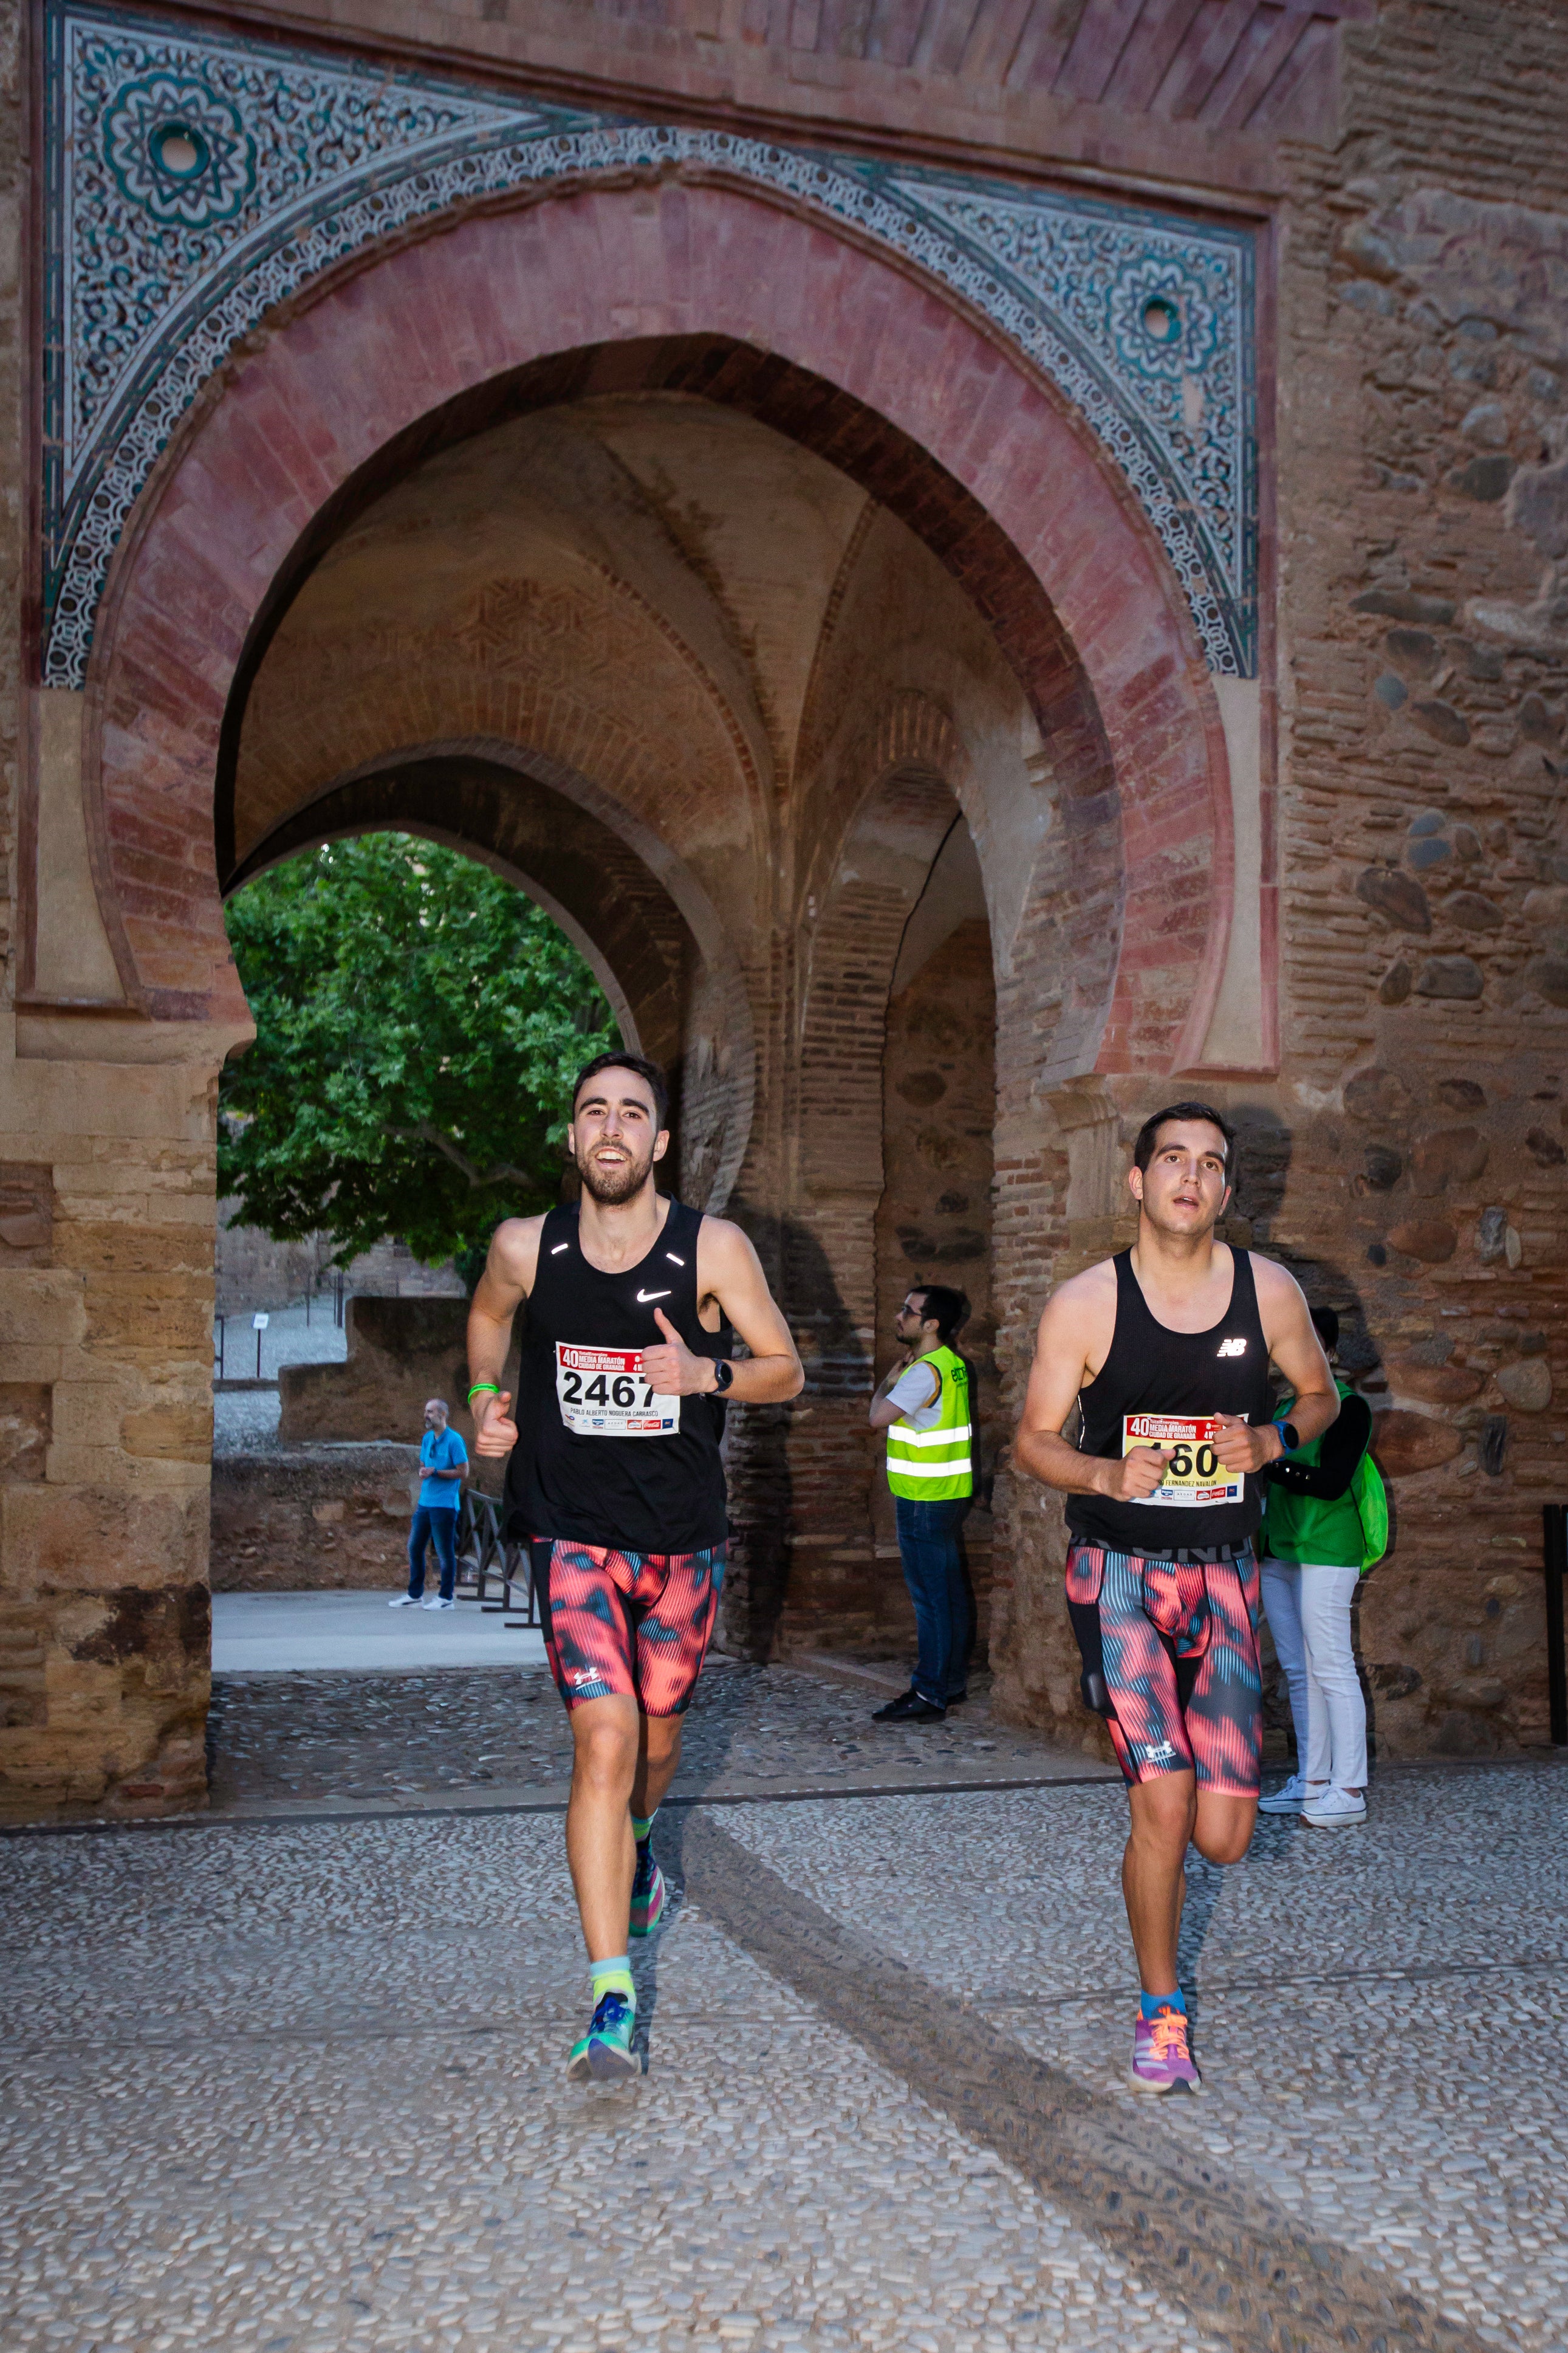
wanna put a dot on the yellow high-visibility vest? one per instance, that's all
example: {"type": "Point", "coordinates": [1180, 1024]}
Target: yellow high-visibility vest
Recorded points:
{"type": "Point", "coordinates": [935, 1465]}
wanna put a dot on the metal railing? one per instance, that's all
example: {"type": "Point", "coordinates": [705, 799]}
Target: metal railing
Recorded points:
{"type": "Point", "coordinates": [485, 1552]}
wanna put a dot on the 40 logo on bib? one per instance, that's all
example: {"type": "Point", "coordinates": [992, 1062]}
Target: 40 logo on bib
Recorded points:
{"type": "Point", "coordinates": [1194, 1474]}
{"type": "Point", "coordinates": [601, 1394]}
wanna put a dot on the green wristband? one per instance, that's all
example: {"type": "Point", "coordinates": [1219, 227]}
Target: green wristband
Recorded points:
{"type": "Point", "coordinates": [480, 1388]}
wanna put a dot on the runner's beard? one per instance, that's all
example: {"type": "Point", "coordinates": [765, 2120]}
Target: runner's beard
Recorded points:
{"type": "Point", "coordinates": [609, 1186]}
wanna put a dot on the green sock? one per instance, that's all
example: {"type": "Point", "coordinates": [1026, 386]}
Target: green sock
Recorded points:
{"type": "Point", "coordinates": [613, 1977]}
{"type": "Point", "coordinates": [642, 1824]}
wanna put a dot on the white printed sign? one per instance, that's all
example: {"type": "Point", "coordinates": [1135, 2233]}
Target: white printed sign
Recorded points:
{"type": "Point", "coordinates": [1193, 1475]}
{"type": "Point", "coordinates": [601, 1394]}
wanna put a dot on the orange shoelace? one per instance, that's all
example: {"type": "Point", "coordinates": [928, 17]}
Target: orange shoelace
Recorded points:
{"type": "Point", "coordinates": [1169, 2034]}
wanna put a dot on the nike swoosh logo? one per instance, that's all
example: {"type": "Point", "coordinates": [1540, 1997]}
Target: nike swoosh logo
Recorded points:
{"type": "Point", "coordinates": [643, 1296]}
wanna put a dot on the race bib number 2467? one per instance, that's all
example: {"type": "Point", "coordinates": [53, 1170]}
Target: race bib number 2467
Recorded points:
{"type": "Point", "coordinates": [1194, 1474]}
{"type": "Point", "coordinates": [601, 1394]}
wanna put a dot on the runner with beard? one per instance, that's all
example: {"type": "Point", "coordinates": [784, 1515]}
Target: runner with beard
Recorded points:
{"type": "Point", "coordinates": [634, 1305]}
{"type": "Point", "coordinates": [1165, 1352]}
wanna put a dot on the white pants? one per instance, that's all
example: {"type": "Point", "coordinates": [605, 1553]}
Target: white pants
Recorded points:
{"type": "Point", "coordinates": [1309, 1612]}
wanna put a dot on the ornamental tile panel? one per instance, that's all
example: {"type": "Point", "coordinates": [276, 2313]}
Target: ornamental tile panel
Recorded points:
{"type": "Point", "coordinates": [195, 180]}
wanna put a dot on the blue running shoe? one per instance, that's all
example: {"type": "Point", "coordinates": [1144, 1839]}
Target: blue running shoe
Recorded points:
{"type": "Point", "coordinates": [647, 1894]}
{"type": "Point", "coordinates": [605, 2052]}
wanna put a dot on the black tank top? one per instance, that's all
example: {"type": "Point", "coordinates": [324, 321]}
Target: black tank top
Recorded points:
{"type": "Point", "coordinates": [599, 1457]}
{"type": "Point", "coordinates": [1153, 1372]}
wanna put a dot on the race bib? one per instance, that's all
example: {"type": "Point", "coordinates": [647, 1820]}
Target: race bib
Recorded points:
{"type": "Point", "coordinates": [1192, 1475]}
{"type": "Point", "coordinates": [601, 1394]}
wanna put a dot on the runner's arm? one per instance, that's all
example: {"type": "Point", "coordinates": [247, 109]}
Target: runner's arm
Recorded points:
{"type": "Point", "coordinates": [1076, 1327]}
{"type": "Point", "coordinates": [507, 1278]}
{"type": "Point", "coordinates": [729, 1270]}
{"type": "Point", "coordinates": [1296, 1349]}
{"type": "Point", "coordinates": [1338, 1457]}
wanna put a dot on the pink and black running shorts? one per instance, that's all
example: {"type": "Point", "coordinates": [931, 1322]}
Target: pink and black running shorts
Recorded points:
{"type": "Point", "coordinates": [631, 1624]}
{"type": "Point", "coordinates": [1170, 1660]}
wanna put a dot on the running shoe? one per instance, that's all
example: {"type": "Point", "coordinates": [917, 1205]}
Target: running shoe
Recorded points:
{"type": "Point", "coordinates": [1161, 2059]}
{"type": "Point", "coordinates": [605, 2052]}
{"type": "Point", "coordinates": [647, 1894]}
{"type": "Point", "coordinates": [1336, 1810]}
{"type": "Point", "coordinates": [1286, 1800]}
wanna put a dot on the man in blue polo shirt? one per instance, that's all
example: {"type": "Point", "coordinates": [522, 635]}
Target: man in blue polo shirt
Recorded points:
{"type": "Point", "coordinates": [443, 1460]}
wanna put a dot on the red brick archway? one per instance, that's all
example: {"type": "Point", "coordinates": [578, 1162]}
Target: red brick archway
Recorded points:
{"type": "Point", "coordinates": [738, 298]}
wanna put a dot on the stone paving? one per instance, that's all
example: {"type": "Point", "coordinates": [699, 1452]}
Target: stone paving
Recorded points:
{"type": "Point", "coordinates": [502, 1734]}
{"type": "Point", "coordinates": [291, 2084]}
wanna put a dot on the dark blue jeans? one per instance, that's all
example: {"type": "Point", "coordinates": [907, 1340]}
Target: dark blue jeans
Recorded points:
{"type": "Point", "coordinates": [432, 1524]}
{"type": "Point", "coordinates": [928, 1540]}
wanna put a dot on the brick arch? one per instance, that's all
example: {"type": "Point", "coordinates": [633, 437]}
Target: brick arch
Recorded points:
{"type": "Point", "coordinates": [651, 935]}
{"type": "Point", "coordinates": [729, 293]}
{"type": "Point", "coordinates": [899, 778]}
{"type": "Point", "coordinates": [884, 857]}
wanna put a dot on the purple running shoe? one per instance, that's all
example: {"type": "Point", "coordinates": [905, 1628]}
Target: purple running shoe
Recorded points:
{"type": "Point", "coordinates": [1161, 2059]}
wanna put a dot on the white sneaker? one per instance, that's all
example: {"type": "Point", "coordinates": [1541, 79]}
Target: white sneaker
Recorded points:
{"type": "Point", "coordinates": [1336, 1810]}
{"type": "Point", "coordinates": [436, 1602]}
{"type": "Point", "coordinates": [404, 1601]}
{"type": "Point", "coordinates": [1287, 1801]}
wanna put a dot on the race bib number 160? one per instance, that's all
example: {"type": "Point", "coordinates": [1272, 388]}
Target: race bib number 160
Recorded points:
{"type": "Point", "coordinates": [1193, 1475]}
{"type": "Point", "coordinates": [601, 1394]}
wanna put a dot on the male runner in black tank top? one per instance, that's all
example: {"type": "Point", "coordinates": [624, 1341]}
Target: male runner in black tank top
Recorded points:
{"type": "Point", "coordinates": [618, 1484]}
{"type": "Point", "coordinates": [1166, 1350]}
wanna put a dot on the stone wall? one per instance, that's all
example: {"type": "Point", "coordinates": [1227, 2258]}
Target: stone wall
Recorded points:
{"type": "Point", "coordinates": [312, 1519]}
{"type": "Point", "coordinates": [933, 1220]}
{"type": "Point", "coordinates": [253, 1271]}
{"type": "Point", "coordinates": [401, 1352]}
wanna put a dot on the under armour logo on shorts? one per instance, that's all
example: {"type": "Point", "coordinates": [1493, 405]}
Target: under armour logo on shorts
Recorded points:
{"type": "Point", "coordinates": [1231, 1348]}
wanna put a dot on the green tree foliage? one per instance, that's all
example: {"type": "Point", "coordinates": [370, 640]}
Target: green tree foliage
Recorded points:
{"type": "Point", "coordinates": [418, 1023]}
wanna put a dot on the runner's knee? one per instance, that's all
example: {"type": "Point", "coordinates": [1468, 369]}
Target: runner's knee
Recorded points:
{"type": "Point", "coordinates": [1226, 1840]}
{"type": "Point", "coordinates": [1162, 1809]}
{"type": "Point", "coordinates": [606, 1752]}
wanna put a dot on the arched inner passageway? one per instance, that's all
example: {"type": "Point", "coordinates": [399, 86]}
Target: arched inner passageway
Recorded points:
{"type": "Point", "coordinates": [707, 701]}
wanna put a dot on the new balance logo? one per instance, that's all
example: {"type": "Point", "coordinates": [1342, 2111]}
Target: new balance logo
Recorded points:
{"type": "Point", "coordinates": [643, 1296]}
{"type": "Point", "coordinates": [1231, 1348]}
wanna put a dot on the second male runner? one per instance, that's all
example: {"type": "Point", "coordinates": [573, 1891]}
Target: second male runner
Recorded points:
{"type": "Point", "coordinates": [634, 1301]}
{"type": "Point", "coordinates": [1166, 1349]}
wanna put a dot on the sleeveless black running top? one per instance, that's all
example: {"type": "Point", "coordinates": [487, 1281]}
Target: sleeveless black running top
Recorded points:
{"type": "Point", "coordinates": [1151, 1370]}
{"type": "Point", "coordinates": [599, 1459]}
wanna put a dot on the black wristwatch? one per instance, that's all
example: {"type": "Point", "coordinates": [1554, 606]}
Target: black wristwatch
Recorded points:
{"type": "Point", "coordinates": [724, 1376]}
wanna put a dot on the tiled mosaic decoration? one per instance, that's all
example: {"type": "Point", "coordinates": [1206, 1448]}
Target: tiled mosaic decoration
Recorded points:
{"type": "Point", "coordinates": [196, 179]}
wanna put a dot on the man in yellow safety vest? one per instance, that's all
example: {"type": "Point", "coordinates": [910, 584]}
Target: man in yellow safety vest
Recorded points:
{"type": "Point", "coordinates": [924, 1407]}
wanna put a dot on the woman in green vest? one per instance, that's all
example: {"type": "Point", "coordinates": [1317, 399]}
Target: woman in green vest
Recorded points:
{"type": "Point", "coordinates": [1325, 1522]}
{"type": "Point", "coordinates": [924, 1407]}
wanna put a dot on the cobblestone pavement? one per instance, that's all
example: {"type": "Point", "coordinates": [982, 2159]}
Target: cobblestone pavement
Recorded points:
{"type": "Point", "coordinates": [301, 2087]}
{"type": "Point", "coordinates": [291, 2085]}
{"type": "Point", "coordinates": [1380, 2012]}
{"type": "Point", "coordinates": [493, 1736]}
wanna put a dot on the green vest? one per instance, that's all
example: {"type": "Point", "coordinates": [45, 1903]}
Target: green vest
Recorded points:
{"type": "Point", "coordinates": [934, 1466]}
{"type": "Point", "coordinates": [1352, 1532]}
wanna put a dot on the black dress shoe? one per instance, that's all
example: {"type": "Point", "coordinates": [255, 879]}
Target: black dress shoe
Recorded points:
{"type": "Point", "coordinates": [910, 1708]}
